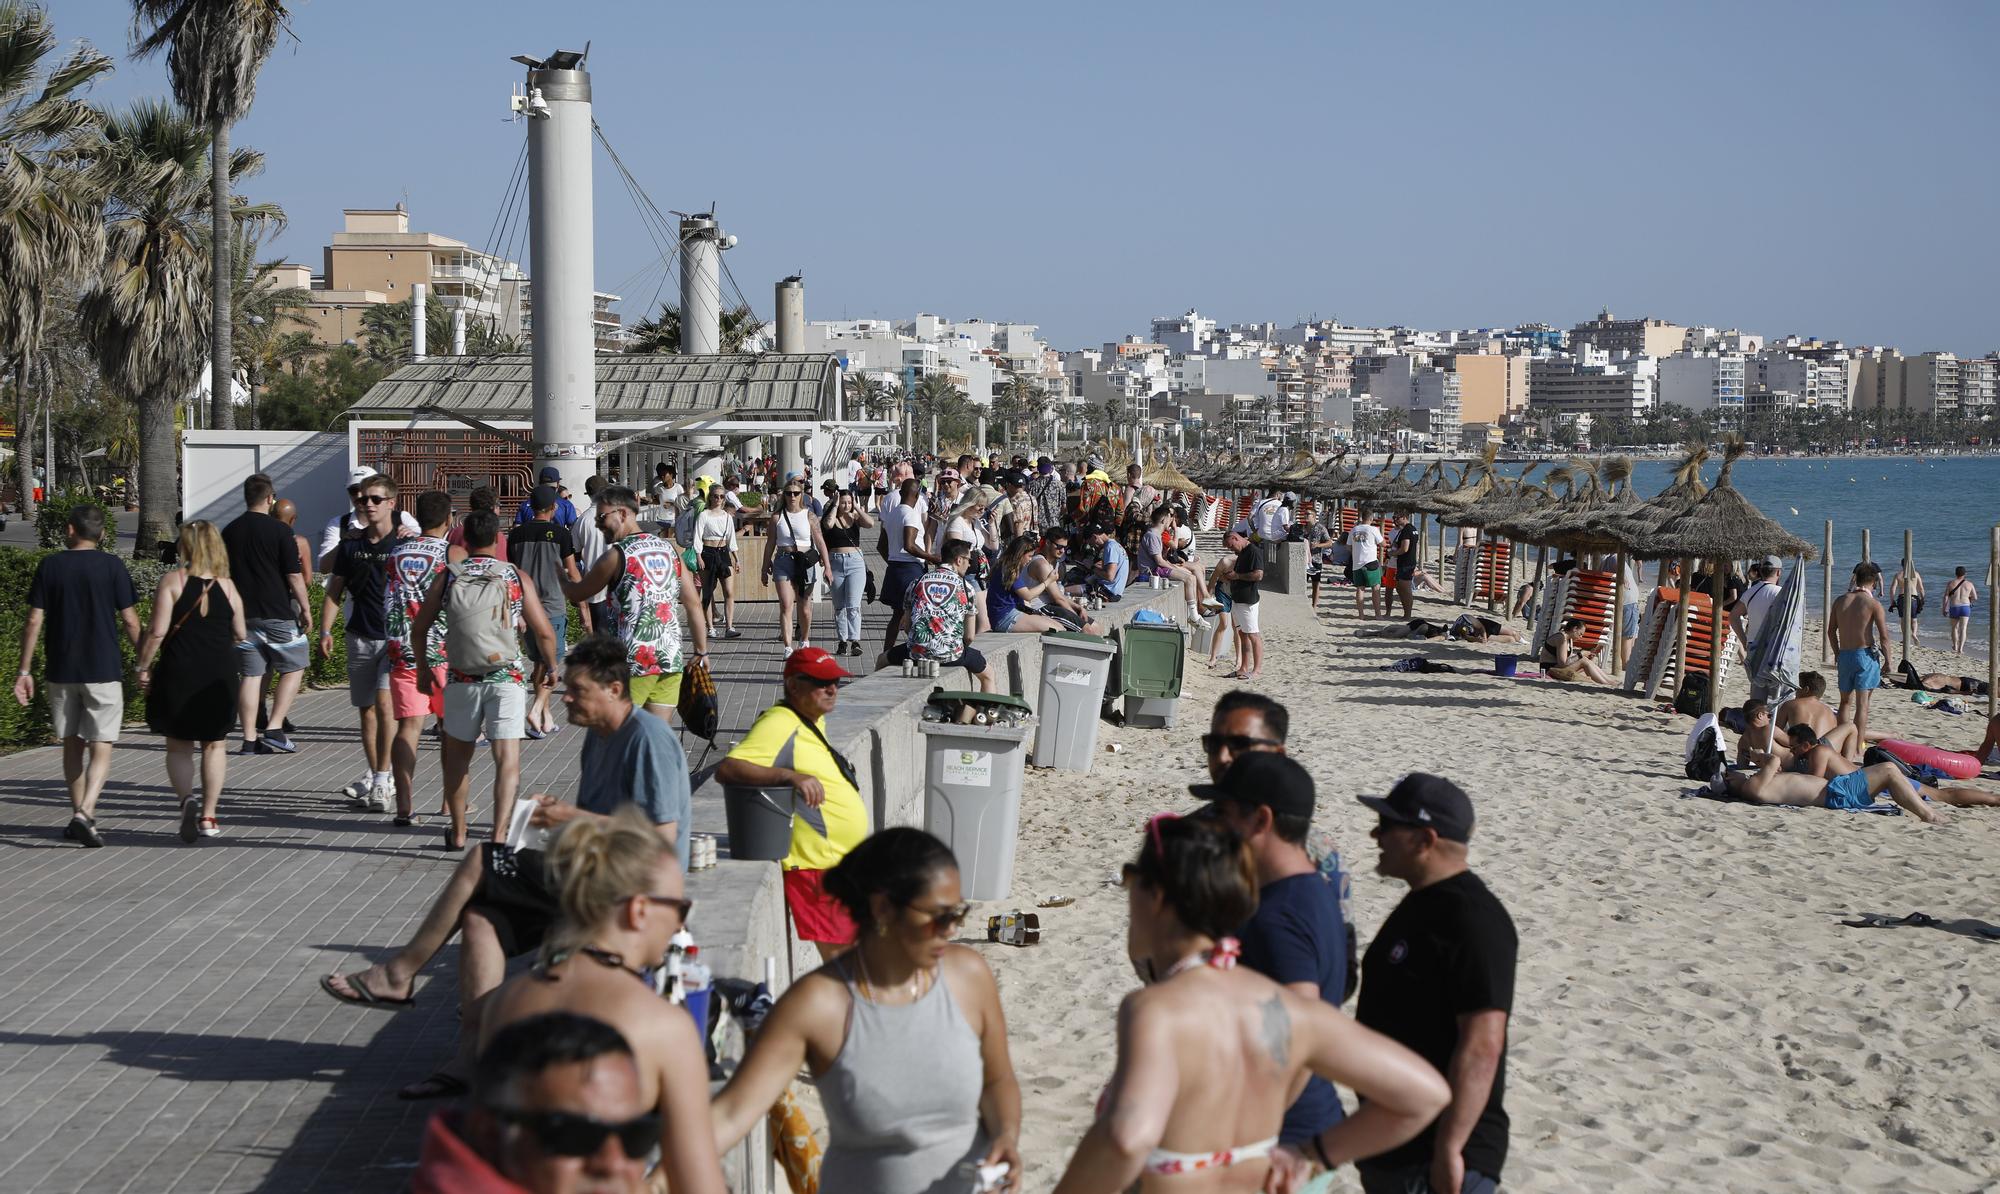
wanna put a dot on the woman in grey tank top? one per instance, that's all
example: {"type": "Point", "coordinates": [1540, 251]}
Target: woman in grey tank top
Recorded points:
{"type": "Point", "coordinates": [903, 1034]}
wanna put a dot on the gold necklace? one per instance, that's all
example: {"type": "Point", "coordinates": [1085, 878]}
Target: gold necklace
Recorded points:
{"type": "Point", "coordinates": [869, 989]}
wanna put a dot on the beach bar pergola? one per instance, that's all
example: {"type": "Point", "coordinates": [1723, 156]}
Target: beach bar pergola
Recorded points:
{"type": "Point", "coordinates": [452, 422]}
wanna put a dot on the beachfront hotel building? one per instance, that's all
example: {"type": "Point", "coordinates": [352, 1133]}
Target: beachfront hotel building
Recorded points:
{"type": "Point", "coordinates": [1703, 380]}
{"type": "Point", "coordinates": [1492, 386]}
{"type": "Point", "coordinates": [1927, 383]}
{"type": "Point", "coordinates": [1593, 383]}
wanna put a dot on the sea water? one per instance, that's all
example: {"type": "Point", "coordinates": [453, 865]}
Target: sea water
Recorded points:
{"type": "Point", "coordinates": [1949, 503]}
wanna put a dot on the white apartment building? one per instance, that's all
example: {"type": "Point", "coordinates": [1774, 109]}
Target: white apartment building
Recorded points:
{"type": "Point", "coordinates": [1703, 380]}
{"type": "Point", "coordinates": [1816, 384]}
{"type": "Point", "coordinates": [1979, 385]}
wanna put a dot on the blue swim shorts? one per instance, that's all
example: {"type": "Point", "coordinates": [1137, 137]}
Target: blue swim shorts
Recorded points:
{"type": "Point", "coordinates": [1859, 670]}
{"type": "Point", "coordinates": [1848, 792]}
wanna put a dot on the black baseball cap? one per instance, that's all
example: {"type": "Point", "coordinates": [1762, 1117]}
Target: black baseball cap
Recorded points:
{"type": "Point", "coordinates": [543, 497]}
{"type": "Point", "coordinates": [1428, 802]}
{"type": "Point", "coordinates": [1263, 777]}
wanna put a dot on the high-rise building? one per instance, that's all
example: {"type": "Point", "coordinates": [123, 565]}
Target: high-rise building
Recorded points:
{"type": "Point", "coordinates": [1927, 383]}
{"type": "Point", "coordinates": [1703, 381]}
{"type": "Point", "coordinates": [1639, 337]}
{"type": "Point", "coordinates": [1979, 385]}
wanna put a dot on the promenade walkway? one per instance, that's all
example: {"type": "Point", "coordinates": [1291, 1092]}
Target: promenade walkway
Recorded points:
{"type": "Point", "coordinates": [163, 1029]}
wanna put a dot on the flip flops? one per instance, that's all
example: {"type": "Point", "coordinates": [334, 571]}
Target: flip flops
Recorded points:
{"type": "Point", "coordinates": [439, 1085]}
{"type": "Point", "coordinates": [363, 997]}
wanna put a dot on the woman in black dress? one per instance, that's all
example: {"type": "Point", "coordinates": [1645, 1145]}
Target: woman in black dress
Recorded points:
{"type": "Point", "coordinates": [197, 622]}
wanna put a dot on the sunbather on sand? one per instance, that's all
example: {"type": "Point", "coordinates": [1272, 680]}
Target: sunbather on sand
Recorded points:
{"type": "Point", "coordinates": [1759, 738]}
{"type": "Point", "coordinates": [1808, 708]}
{"type": "Point", "coordinates": [1466, 628]}
{"type": "Point", "coordinates": [1770, 784]}
{"type": "Point", "coordinates": [1813, 759]}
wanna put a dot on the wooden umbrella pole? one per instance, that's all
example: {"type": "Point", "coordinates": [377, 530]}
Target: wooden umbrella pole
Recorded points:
{"type": "Point", "coordinates": [1993, 632]}
{"type": "Point", "coordinates": [1866, 555]}
{"type": "Point", "coordinates": [1618, 618]}
{"type": "Point", "coordinates": [1826, 596]}
{"type": "Point", "coordinates": [1681, 627]}
{"type": "Point", "coordinates": [1909, 601]}
{"type": "Point", "coordinates": [1715, 652]}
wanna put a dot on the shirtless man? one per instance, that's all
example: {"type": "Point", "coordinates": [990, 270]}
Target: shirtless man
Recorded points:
{"type": "Point", "coordinates": [1857, 626]}
{"type": "Point", "coordinates": [1856, 789]}
{"type": "Point", "coordinates": [1989, 749]}
{"type": "Point", "coordinates": [1758, 740]}
{"type": "Point", "coordinates": [1825, 762]}
{"type": "Point", "coordinates": [1808, 708]}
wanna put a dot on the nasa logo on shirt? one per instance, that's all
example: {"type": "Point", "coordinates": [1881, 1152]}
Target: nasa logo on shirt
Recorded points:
{"type": "Point", "coordinates": [1398, 952]}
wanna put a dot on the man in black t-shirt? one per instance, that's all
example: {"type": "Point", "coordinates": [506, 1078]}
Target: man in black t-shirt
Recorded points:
{"type": "Point", "coordinates": [1439, 978]}
{"type": "Point", "coordinates": [1403, 545]}
{"type": "Point", "coordinates": [264, 562]}
{"type": "Point", "coordinates": [86, 597]}
{"type": "Point", "coordinates": [1296, 937]}
{"type": "Point", "coordinates": [1243, 573]}
{"type": "Point", "coordinates": [360, 569]}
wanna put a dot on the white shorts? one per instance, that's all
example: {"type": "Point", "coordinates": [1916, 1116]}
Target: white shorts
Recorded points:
{"type": "Point", "coordinates": [92, 712]}
{"type": "Point", "coordinates": [500, 711]}
{"type": "Point", "coordinates": [1246, 617]}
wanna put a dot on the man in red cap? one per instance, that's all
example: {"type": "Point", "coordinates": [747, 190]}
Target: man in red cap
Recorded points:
{"type": "Point", "coordinates": [788, 748]}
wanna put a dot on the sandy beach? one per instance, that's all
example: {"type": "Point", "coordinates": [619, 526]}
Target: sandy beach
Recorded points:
{"type": "Point", "coordinates": [1690, 1012]}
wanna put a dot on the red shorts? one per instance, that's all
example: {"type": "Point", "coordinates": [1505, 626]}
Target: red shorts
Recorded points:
{"type": "Point", "coordinates": [411, 703]}
{"type": "Point", "coordinates": [816, 915]}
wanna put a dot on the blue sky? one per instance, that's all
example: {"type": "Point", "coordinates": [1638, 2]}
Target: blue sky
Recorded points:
{"type": "Point", "coordinates": [1825, 169]}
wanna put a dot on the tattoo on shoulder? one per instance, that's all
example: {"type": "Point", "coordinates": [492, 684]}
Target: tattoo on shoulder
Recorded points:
{"type": "Point", "coordinates": [1276, 1029]}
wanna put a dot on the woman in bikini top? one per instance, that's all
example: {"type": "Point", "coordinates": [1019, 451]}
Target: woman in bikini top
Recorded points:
{"type": "Point", "coordinates": [1211, 1053]}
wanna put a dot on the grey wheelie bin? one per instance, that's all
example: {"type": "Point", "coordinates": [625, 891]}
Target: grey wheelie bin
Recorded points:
{"type": "Point", "coordinates": [1074, 670]}
{"type": "Point", "coordinates": [972, 799]}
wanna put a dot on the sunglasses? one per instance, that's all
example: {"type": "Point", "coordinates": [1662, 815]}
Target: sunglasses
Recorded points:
{"type": "Point", "coordinates": [1237, 743]}
{"type": "Point", "coordinates": [372, 499]}
{"type": "Point", "coordinates": [944, 920]}
{"type": "Point", "coordinates": [816, 682]}
{"type": "Point", "coordinates": [682, 906]}
{"type": "Point", "coordinates": [567, 1135]}
{"type": "Point", "coordinates": [793, 493]}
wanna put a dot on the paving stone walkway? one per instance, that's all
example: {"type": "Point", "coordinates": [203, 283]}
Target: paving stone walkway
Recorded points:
{"type": "Point", "coordinates": [163, 1029]}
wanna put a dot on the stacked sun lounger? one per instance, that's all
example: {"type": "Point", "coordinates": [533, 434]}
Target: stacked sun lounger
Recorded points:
{"type": "Point", "coordinates": [1651, 667]}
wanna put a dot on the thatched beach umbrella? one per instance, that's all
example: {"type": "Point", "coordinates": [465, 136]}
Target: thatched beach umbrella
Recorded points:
{"type": "Point", "coordinates": [1720, 526]}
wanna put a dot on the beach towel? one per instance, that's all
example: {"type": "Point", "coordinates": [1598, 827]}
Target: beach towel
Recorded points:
{"type": "Point", "coordinates": [1417, 663]}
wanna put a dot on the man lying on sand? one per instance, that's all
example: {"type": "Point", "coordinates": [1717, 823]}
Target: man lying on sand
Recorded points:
{"type": "Point", "coordinates": [1808, 708]}
{"type": "Point", "coordinates": [1854, 790]}
{"type": "Point", "coordinates": [1469, 628]}
{"type": "Point", "coordinates": [1823, 761]}
{"type": "Point", "coordinates": [1989, 749]}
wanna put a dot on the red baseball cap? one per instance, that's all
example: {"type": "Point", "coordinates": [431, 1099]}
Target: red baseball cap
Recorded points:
{"type": "Point", "coordinates": [815, 663]}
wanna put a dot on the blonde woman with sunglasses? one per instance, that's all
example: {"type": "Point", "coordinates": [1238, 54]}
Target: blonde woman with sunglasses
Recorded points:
{"type": "Point", "coordinates": [903, 1034]}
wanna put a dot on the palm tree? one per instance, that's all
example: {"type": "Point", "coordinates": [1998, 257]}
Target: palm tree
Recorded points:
{"type": "Point", "coordinates": [144, 312]}
{"type": "Point", "coordinates": [49, 230]}
{"type": "Point", "coordinates": [935, 397]}
{"type": "Point", "coordinates": [662, 333]}
{"type": "Point", "coordinates": [865, 393]}
{"type": "Point", "coordinates": [214, 50]}
{"type": "Point", "coordinates": [269, 331]}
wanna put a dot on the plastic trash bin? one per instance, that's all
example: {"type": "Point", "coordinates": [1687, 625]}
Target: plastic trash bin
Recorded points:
{"type": "Point", "coordinates": [972, 799]}
{"type": "Point", "coordinates": [1074, 670]}
{"type": "Point", "coordinates": [1150, 663]}
{"type": "Point", "coordinates": [759, 820]}
{"type": "Point", "coordinates": [1202, 637]}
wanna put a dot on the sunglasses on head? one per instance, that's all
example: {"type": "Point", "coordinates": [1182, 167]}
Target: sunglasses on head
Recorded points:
{"type": "Point", "coordinates": [568, 1135]}
{"type": "Point", "coordinates": [1237, 743]}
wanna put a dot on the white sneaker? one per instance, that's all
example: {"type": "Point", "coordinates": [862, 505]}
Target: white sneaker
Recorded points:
{"type": "Point", "coordinates": [805, 644]}
{"type": "Point", "coordinates": [358, 789]}
{"type": "Point", "coordinates": [381, 797]}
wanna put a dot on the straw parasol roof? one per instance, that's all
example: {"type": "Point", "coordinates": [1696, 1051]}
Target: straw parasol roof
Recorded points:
{"type": "Point", "coordinates": [1168, 476]}
{"type": "Point", "coordinates": [1502, 497]}
{"type": "Point", "coordinates": [1627, 525]}
{"type": "Point", "coordinates": [1720, 525]}
{"type": "Point", "coordinates": [1584, 526]}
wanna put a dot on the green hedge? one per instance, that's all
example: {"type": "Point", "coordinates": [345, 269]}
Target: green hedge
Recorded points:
{"type": "Point", "coordinates": [52, 517]}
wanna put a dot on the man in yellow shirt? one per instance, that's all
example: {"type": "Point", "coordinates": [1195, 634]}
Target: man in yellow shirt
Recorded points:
{"type": "Point", "coordinates": [788, 748]}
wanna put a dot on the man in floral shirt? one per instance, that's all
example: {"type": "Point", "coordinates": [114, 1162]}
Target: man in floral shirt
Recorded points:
{"type": "Point", "coordinates": [646, 584]}
{"type": "Point", "coordinates": [944, 618]}
{"type": "Point", "coordinates": [414, 565]}
{"type": "Point", "coordinates": [492, 701]}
